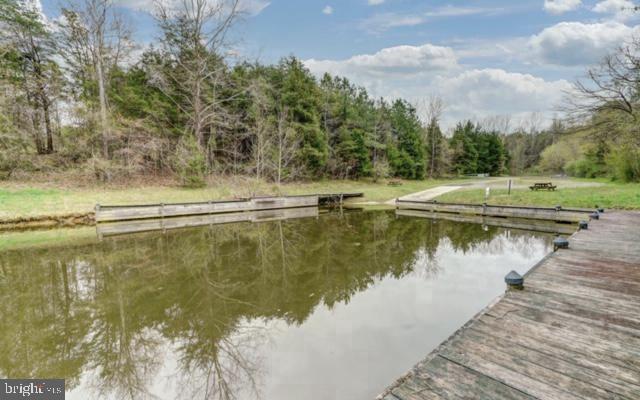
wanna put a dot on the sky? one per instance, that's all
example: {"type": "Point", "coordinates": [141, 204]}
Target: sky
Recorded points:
{"type": "Point", "coordinates": [484, 58]}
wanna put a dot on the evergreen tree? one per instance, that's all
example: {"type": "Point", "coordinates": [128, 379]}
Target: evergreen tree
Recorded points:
{"type": "Point", "coordinates": [406, 155]}
{"type": "Point", "coordinates": [464, 157]}
{"type": "Point", "coordinates": [299, 93]}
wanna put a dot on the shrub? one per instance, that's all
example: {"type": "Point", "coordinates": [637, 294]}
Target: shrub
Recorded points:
{"type": "Point", "coordinates": [107, 170]}
{"type": "Point", "coordinates": [583, 168]}
{"type": "Point", "coordinates": [189, 163]}
{"type": "Point", "coordinates": [554, 158]}
{"type": "Point", "coordinates": [624, 164]}
{"type": "Point", "coordinates": [381, 170]}
{"type": "Point", "coordinates": [13, 149]}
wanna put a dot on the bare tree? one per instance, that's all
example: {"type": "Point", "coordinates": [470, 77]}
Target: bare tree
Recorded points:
{"type": "Point", "coordinates": [94, 38]}
{"type": "Point", "coordinates": [612, 85]}
{"type": "Point", "coordinates": [497, 123]}
{"type": "Point", "coordinates": [434, 108]}
{"type": "Point", "coordinates": [531, 124]}
{"type": "Point", "coordinates": [286, 144]}
{"type": "Point", "coordinates": [28, 62]}
{"type": "Point", "coordinates": [262, 129]}
{"type": "Point", "coordinates": [195, 37]}
{"type": "Point", "coordinates": [433, 138]}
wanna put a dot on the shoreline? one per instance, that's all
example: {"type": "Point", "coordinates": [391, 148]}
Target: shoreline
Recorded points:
{"type": "Point", "coordinates": [47, 222]}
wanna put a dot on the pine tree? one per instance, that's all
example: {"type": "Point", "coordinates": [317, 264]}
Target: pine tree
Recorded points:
{"type": "Point", "coordinates": [464, 158]}
{"type": "Point", "coordinates": [407, 154]}
{"type": "Point", "coordinates": [300, 95]}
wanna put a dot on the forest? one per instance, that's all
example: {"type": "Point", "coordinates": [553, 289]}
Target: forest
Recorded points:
{"type": "Point", "coordinates": [80, 93]}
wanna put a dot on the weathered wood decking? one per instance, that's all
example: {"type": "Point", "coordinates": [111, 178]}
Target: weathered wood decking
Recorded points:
{"type": "Point", "coordinates": [572, 333]}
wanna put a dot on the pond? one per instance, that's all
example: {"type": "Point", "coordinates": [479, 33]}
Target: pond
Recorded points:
{"type": "Point", "coordinates": [331, 307]}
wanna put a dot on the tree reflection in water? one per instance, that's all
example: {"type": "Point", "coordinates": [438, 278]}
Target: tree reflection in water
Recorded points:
{"type": "Point", "coordinates": [106, 316]}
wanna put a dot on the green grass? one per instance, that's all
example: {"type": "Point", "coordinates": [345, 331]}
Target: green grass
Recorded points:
{"type": "Point", "coordinates": [18, 201]}
{"type": "Point", "coordinates": [607, 195]}
{"type": "Point", "coordinates": [33, 200]}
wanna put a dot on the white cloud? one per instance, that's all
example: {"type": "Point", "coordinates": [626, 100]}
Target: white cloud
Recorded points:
{"type": "Point", "coordinates": [328, 10]}
{"type": "Point", "coordinates": [253, 7]}
{"type": "Point", "coordinates": [400, 60]}
{"type": "Point", "coordinates": [416, 72]}
{"type": "Point", "coordinates": [577, 43]}
{"type": "Point", "coordinates": [561, 6]}
{"type": "Point", "coordinates": [620, 9]}
{"type": "Point", "coordinates": [383, 22]}
{"type": "Point", "coordinates": [454, 11]}
{"type": "Point", "coordinates": [375, 2]}
{"type": "Point", "coordinates": [379, 23]}
{"type": "Point", "coordinates": [480, 93]}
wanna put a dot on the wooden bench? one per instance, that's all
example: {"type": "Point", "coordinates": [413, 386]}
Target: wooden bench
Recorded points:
{"type": "Point", "coordinates": [395, 182]}
{"type": "Point", "coordinates": [543, 186]}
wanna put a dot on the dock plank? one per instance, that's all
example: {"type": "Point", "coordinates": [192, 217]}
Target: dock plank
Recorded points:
{"type": "Point", "coordinates": [572, 333]}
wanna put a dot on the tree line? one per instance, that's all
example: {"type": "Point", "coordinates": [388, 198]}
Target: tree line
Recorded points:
{"type": "Point", "coordinates": [76, 92]}
{"type": "Point", "coordinates": [74, 95]}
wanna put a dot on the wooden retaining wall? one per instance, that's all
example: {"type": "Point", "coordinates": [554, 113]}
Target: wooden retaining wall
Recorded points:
{"type": "Point", "coordinates": [139, 212]}
{"type": "Point", "coordinates": [510, 223]}
{"type": "Point", "coordinates": [163, 224]}
{"type": "Point", "coordinates": [539, 213]}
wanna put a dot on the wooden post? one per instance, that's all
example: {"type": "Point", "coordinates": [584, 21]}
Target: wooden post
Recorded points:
{"type": "Point", "coordinates": [509, 191]}
{"type": "Point", "coordinates": [95, 217]}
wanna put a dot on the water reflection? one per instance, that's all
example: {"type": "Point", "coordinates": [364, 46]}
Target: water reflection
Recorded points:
{"type": "Point", "coordinates": [249, 311]}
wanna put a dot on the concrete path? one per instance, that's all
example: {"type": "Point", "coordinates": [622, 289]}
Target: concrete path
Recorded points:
{"type": "Point", "coordinates": [427, 194]}
{"type": "Point", "coordinates": [493, 183]}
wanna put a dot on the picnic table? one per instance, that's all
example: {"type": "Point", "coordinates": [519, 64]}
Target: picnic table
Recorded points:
{"type": "Point", "coordinates": [543, 186]}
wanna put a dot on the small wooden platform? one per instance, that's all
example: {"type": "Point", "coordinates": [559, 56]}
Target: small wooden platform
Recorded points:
{"type": "Point", "coordinates": [165, 224]}
{"type": "Point", "coordinates": [556, 214]}
{"type": "Point", "coordinates": [572, 333]}
{"type": "Point", "coordinates": [107, 213]}
{"type": "Point", "coordinates": [509, 223]}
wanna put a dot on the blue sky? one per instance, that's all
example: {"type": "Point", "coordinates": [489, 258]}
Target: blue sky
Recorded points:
{"type": "Point", "coordinates": [483, 57]}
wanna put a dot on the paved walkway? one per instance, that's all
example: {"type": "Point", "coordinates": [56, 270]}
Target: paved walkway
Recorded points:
{"type": "Point", "coordinates": [427, 194]}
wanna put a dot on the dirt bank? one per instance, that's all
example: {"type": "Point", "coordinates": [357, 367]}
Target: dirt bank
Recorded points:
{"type": "Point", "coordinates": [47, 221]}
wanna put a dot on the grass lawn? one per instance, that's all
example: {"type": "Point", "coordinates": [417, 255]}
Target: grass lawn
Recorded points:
{"type": "Point", "coordinates": [607, 195]}
{"type": "Point", "coordinates": [34, 200]}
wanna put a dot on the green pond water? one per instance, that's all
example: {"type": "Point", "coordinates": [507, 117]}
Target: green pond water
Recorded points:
{"type": "Point", "coordinates": [333, 307]}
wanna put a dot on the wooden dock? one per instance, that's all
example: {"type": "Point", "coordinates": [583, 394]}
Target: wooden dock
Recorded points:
{"type": "Point", "coordinates": [508, 223]}
{"type": "Point", "coordinates": [573, 332]}
{"type": "Point", "coordinates": [165, 224]}
{"type": "Point", "coordinates": [556, 214]}
{"type": "Point", "coordinates": [105, 213]}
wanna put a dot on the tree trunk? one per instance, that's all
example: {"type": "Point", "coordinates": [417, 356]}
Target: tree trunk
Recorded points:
{"type": "Point", "coordinates": [433, 155]}
{"type": "Point", "coordinates": [104, 122]}
{"type": "Point", "coordinates": [197, 114]}
{"type": "Point", "coordinates": [35, 121]}
{"type": "Point", "coordinates": [47, 122]}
